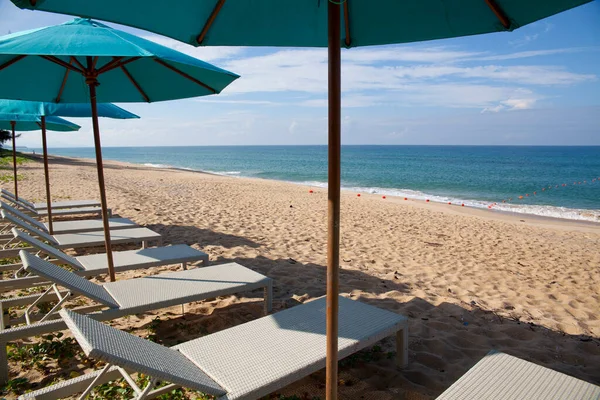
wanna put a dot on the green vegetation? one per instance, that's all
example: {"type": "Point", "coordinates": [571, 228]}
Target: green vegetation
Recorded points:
{"type": "Point", "coordinates": [6, 160]}
{"type": "Point", "coordinates": [120, 390]}
{"type": "Point", "coordinates": [373, 354]}
{"type": "Point", "coordinates": [51, 348]}
{"type": "Point", "coordinates": [6, 163]}
{"type": "Point", "coordinates": [16, 385]}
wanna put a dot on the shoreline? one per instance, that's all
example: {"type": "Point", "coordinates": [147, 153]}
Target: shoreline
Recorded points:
{"type": "Point", "coordinates": [507, 216]}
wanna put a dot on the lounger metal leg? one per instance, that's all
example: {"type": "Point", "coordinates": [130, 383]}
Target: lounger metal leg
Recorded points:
{"type": "Point", "coordinates": [268, 298]}
{"type": "Point", "coordinates": [94, 382]}
{"type": "Point", "coordinates": [3, 363]}
{"type": "Point", "coordinates": [184, 266]}
{"type": "Point", "coordinates": [402, 348]}
{"type": "Point", "coordinates": [147, 389]}
{"type": "Point", "coordinates": [2, 318]}
{"type": "Point", "coordinates": [144, 244]}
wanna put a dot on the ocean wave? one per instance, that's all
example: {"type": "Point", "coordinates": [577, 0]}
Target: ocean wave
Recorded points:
{"type": "Point", "coordinates": [531, 209]}
{"type": "Point", "coordinates": [225, 173]}
{"type": "Point", "coordinates": [157, 165]}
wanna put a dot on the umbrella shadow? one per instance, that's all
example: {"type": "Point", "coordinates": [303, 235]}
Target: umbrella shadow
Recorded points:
{"type": "Point", "coordinates": [192, 235]}
{"type": "Point", "coordinates": [180, 234]}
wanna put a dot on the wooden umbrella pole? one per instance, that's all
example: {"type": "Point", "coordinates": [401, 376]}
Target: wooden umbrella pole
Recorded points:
{"type": "Point", "coordinates": [333, 196]}
{"type": "Point", "coordinates": [14, 144]}
{"type": "Point", "coordinates": [92, 82]}
{"type": "Point", "coordinates": [47, 176]}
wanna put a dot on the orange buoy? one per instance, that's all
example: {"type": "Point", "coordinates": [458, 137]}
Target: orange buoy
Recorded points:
{"type": "Point", "coordinates": [520, 197]}
{"type": "Point", "coordinates": [526, 194]}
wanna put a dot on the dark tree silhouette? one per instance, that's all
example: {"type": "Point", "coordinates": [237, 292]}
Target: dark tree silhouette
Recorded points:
{"type": "Point", "coordinates": [5, 136]}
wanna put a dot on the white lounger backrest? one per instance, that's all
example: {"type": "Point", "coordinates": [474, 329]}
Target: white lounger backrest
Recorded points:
{"type": "Point", "coordinates": [23, 216]}
{"type": "Point", "coordinates": [24, 225]}
{"type": "Point", "coordinates": [17, 203]}
{"type": "Point", "coordinates": [103, 342]}
{"type": "Point", "coordinates": [7, 194]}
{"type": "Point", "coordinates": [13, 198]}
{"type": "Point", "coordinates": [66, 279]}
{"type": "Point", "coordinates": [47, 249]}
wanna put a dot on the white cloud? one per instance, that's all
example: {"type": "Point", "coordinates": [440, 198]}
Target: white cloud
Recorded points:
{"type": "Point", "coordinates": [534, 53]}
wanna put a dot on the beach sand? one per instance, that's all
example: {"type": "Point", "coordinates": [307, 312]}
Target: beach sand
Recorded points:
{"type": "Point", "coordinates": [468, 280]}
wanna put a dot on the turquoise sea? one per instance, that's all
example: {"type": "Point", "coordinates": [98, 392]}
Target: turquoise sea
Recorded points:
{"type": "Point", "coordinates": [477, 176]}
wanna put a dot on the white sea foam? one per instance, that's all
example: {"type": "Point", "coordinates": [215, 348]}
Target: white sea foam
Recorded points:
{"type": "Point", "coordinates": [158, 165]}
{"type": "Point", "coordinates": [531, 209]}
{"type": "Point", "coordinates": [225, 173]}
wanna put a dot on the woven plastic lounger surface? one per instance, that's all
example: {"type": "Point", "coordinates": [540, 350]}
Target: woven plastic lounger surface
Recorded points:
{"type": "Point", "coordinates": [499, 376]}
{"type": "Point", "coordinates": [85, 239]}
{"type": "Point", "coordinates": [71, 211]}
{"type": "Point", "coordinates": [70, 226]}
{"type": "Point", "coordinates": [88, 225]}
{"type": "Point", "coordinates": [254, 359]}
{"type": "Point", "coordinates": [144, 258]}
{"type": "Point", "coordinates": [117, 236]}
{"type": "Point", "coordinates": [153, 292]}
{"type": "Point", "coordinates": [67, 204]}
{"type": "Point", "coordinates": [244, 362]}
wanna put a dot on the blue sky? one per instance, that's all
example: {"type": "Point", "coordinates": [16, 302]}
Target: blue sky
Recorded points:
{"type": "Point", "coordinates": [537, 85]}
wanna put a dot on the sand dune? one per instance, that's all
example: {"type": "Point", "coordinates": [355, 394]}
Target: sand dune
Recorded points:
{"type": "Point", "coordinates": [469, 280]}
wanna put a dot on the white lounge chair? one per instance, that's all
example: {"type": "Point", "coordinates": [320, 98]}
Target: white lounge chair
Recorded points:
{"type": "Point", "coordinates": [499, 376]}
{"type": "Point", "coordinates": [78, 226]}
{"type": "Point", "coordinates": [59, 212]}
{"type": "Point", "coordinates": [125, 297]}
{"type": "Point", "coordinates": [246, 362]}
{"type": "Point", "coordinates": [55, 205]}
{"type": "Point", "coordinates": [95, 264]}
{"type": "Point", "coordinates": [78, 240]}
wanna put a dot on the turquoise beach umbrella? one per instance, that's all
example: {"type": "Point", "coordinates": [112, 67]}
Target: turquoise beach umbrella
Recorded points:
{"type": "Point", "coordinates": [25, 122]}
{"type": "Point", "coordinates": [315, 23]}
{"type": "Point", "coordinates": [125, 68]}
{"type": "Point", "coordinates": [84, 61]}
{"type": "Point", "coordinates": [74, 110]}
{"type": "Point", "coordinates": [303, 23]}
{"type": "Point", "coordinates": [41, 109]}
